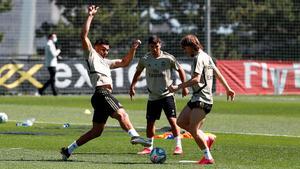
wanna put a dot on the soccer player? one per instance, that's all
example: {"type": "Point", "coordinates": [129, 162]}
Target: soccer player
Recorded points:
{"type": "Point", "coordinates": [159, 66]}
{"type": "Point", "coordinates": [103, 102]}
{"type": "Point", "coordinates": [192, 116]}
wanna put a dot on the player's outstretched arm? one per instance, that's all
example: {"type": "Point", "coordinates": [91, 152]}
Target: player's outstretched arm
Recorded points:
{"type": "Point", "coordinates": [194, 80]}
{"type": "Point", "coordinates": [128, 57]}
{"type": "Point", "coordinates": [229, 92]}
{"type": "Point", "coordinates": [86, 43]}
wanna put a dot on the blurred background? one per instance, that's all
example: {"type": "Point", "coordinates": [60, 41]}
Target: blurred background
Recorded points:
{"type": "Point", "coordinates": [255, 43]}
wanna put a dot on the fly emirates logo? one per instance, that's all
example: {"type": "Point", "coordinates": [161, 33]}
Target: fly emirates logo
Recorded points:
{"type": "Point", "coordinates": [275, 75]}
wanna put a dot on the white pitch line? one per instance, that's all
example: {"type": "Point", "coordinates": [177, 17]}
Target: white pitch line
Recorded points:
{"type": "Point", "coordinates": [221, 132]}
{"type": "Point", "coordinates": [257, 134]}
{"type": "Point", "coordinates": [187, 161]}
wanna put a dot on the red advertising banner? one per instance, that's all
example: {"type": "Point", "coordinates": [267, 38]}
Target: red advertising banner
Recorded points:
{"type": "Point", "coordinates": [260, 77]}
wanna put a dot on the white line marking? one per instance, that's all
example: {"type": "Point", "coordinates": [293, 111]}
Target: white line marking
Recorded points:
{"type": "Point", "coordinates": [187, 161]}
{"type": "Point", "coordinates": [256, 134]}
{"type": "Point", "coordinates": [16, 148]}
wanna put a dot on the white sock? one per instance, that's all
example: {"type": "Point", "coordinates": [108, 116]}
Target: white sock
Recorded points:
{"type": "Point", "coordinates": [178, 141]}
{"type": "Point", "coordinates": [132, 132]}
{"type": "Point", "coordinates": [202, 134]}
{"type": "Point", "coordinates": [207, 154]}
{"type": "Point", "coordinates": [152, 142]}
{"type": "Point", "coordinates": [72, 147]}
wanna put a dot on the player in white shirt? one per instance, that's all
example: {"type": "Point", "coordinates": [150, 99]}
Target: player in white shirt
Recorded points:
{"type": "Point", "coordinates": [193, 115]}
{"type": "Point", "coordinates": [104, 103]}
{"type": "Point", "coordinates": [51, 55]}
{"type": "Point", "coordinates": [159, 66]}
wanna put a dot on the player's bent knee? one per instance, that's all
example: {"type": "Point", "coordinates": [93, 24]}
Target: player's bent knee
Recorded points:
{"type": "Point", "coordinates": [121, 115]}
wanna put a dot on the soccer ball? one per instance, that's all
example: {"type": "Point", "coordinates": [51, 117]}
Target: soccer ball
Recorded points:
{"type": "Point", "coordinates": [158, 155]}
{"type": "Point", "coordinates": [3, 117]}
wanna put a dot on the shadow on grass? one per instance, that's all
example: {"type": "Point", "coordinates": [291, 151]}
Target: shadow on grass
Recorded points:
{"type": "Point", "coordinates": [70, 161]}
{"type": "Point", "coordinates": [110, 153]}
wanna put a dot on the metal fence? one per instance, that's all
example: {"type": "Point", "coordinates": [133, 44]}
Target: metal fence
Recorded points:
{"type": "Point", "coordinates": [229, 30]}
{"type": "Point", "coordinates": [240, 29]}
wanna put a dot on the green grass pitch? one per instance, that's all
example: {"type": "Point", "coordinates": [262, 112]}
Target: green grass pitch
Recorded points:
{"type": "Point", "coordinates": [257, 132]}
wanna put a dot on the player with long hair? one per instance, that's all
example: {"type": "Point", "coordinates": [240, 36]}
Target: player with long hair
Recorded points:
{"type": "Point", "coordinates": [193, 114]}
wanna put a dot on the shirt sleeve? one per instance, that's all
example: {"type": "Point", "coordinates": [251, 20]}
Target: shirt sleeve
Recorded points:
{"type": "Point", "coordinates": [199, 65]}
{"type": "Point", "coordinates": [140, 65]}
{"type": "Point", "coordinates": [110, 62]}
{"type": "Point", "coordinates": [174, 63]}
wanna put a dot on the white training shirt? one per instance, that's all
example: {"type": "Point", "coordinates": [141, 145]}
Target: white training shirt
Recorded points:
{"type": "Point", "coordinates": [51, 54]}
{"type": "Point", "coordinates": [158, 73]}
{"type": "Point", "coordinates": [99, 69]}
{"type": "Point", "coordinates": [204, 66]}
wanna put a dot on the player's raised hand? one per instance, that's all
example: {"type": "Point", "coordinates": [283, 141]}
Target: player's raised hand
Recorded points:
{"type": "Point", "coordinates": [92, 10]}
{"type": "Point", "coordinates": [136, 43]}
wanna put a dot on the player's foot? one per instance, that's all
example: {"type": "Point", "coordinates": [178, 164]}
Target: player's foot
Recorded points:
{"type": "Point", "coordinates": [40, 91]}
{"type": "Point", "coordinates": [146, 150]}
{"type": "Point", "coordinates": [211, 140]}
{"type": "Point", "coordinates": [141, 141]}
{"type": "Point", "coordinates": [205, 161]}
{"type": "Point", "coordinates": [177, 151]}
{"type": "Point", "coordinates": [64, 153]}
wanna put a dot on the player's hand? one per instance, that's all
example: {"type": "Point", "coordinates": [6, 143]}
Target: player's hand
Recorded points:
{"type": "Point", "coordinates": [92, 10]}
{"type": "Point", "coordinates": [230, 93]}
{"type": "Point", "coordinates": [131, 92]}
{"type": "Point", "coordinates": [136, 43]}
{"type": "Point", "coordinates": [173, 88]}
{"type": "Point", "coordinates": [185, 92]}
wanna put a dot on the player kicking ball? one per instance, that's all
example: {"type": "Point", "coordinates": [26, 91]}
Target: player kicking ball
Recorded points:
{"type": "Point", "coordinates": [193, 114]}
{"type": "Point", "coordinates": [103, 102]}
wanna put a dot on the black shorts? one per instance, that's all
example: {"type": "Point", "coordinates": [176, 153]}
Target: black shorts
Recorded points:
{"type": "Point", "coordinates": [104, 104]}
{"type": "Point", "coordinates": [155, 107]}
{"type": "Point", "coordinates": [198, 104]}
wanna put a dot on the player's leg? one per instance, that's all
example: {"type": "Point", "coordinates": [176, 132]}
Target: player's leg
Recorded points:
{"type": "Point", "coordinates": [153, 113]}
{"type": "Point", "coordinates": [169, 108]}
{"type": "Point", "coordinates": [183, 120]}
{"type": "Point", "coordinates": [126, 125]}
{"type": "Point", "coordinates": [94, 132]}
{"type": "Point", "coordinates": [209, 137]}
{"type": "Point", "coordinates": [150, 132]}
{"type": "Point", "coordinates": [47, 83]}
{"type": "Point", "coordinates": [196, 122]}
{"type": "Point", "coordinates": [196, 118]}
{"type": "Point", "coordinates": [52, 71]}
{"type": "Point", "coordinates": [176, 133]}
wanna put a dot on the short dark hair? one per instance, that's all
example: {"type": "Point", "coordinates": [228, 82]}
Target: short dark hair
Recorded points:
{"type": "Point", "coordinates": [154, 39]}
{"type": "Point", "coordinates": [50, 35]}
{"type": "Point", "coordinates": [192, 41]}
{"type": "Point", "coordinates": [101, 42]}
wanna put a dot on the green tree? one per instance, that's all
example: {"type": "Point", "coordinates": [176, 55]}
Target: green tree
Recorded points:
{"type": "Point", "coordinates": [271, 27]}
{"type": "Point", "coordinates": [117, 21]}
